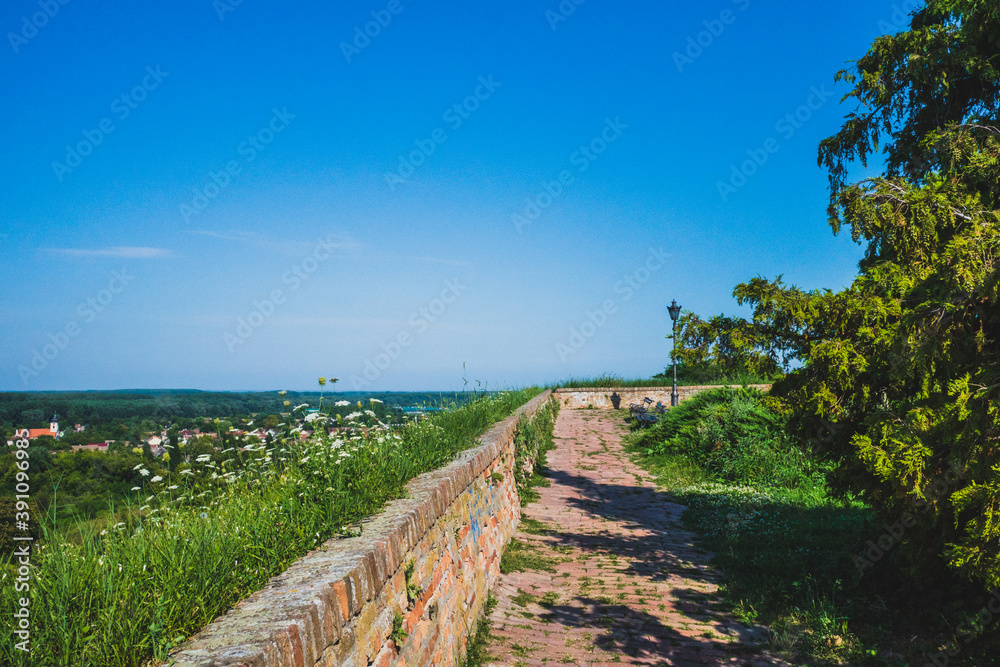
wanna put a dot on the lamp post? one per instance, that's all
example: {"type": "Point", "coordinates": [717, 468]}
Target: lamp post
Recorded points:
{"type": "Point", "coordinates": [675, 312]}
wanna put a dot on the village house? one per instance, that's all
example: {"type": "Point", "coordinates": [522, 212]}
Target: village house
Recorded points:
{"type": "Point", "coordinates": [96, 447]}
{"type": "Point", "coordinates": [51, 431]}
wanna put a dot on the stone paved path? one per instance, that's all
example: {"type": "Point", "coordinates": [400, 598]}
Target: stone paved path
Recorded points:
{"type": "Point", "coordinates": [628, 588]}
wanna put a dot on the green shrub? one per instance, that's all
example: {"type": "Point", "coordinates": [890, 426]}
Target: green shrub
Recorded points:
{"type": "Point", "coordinates": [737, 435]}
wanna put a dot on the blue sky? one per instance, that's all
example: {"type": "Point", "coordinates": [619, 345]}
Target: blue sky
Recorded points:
{"type": "Point", "coordinates": [247, 196]}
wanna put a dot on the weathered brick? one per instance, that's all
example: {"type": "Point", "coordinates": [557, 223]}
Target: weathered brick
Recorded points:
{"type": "Point", "coordinates": [340, 589]}
{"type": "Point", "coordinates": [357, 594]}
{"type": "Point", "coordinates": [384, 657]}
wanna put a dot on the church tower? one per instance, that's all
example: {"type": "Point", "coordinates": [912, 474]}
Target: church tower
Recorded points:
{"type": "Point", "coordinates": [54, 425]}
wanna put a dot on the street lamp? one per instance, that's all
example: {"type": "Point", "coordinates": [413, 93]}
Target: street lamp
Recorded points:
{"type": "Point", "coordinates": [675, 312]}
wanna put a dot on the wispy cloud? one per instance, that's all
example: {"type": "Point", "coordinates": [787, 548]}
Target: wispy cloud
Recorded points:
{"type": "Point", "coordinates": [118, 252]}
{"type": "Point", "coordinates": [264, 241]}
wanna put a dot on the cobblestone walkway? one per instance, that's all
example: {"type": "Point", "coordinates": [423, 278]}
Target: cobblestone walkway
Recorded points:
{"type": "Point", "coordinates": [627, 586]}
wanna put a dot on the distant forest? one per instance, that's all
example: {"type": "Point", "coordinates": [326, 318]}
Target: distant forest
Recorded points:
{"type": "Point", "coordinates": [34, 409]}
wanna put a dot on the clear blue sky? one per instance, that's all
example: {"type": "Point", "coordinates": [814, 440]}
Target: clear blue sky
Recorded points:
{"type": "Point", "coordinates": [130, 257]}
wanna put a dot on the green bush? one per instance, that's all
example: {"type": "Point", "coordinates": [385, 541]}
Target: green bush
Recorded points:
{"type": "Point", "coordinates": [736, 435]}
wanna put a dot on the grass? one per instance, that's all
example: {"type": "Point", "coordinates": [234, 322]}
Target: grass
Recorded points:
{"type": "Point", "coordinates": [478, 651]}
{"type": "Point", "coordinates": [521, 557]}
{"type": "Point", "coordinates": [186, 552]}
{"type": "Point", "coordinates": [787, 554]}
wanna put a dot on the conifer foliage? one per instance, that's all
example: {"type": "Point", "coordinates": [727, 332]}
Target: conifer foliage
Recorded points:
{"type": "Point", "coordinates": [899, 386]}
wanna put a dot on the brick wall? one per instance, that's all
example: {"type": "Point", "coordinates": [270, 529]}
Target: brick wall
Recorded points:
{"type": "Point", "coordinates": [335, 606]}
{"type": "Point", "coordinates": [576, 399]}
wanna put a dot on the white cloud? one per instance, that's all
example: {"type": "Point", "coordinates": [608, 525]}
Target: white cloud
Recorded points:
{"type": "Point", "coordinates": [119, 252]}
{"type": "Point", "coordinates": [264, 241]}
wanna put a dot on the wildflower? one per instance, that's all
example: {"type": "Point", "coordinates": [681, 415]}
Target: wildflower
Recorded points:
{"type": "Point", "coordinates": [374, 400]}
{"type": "Point", "coordinates": [187, 472]}
{"type": "Point", "coordinates": [341, 404]}
{"type": "Point", "coordinates": [137, 467]}
{"type": "Point", "coordinates": [156, 479]}
{"type": "Point", "coordinates": [144, 507]}
{"type": "Point", "coordinates": [172, 487]}
{"type": "Point", "coordinates": [150, 498]}
{"type": "Point", "coordinates": [204, 515]}
{"type": "Point", "coordinates": [299, 407]}
{"type": "Point", "coordinates": [144, 472]}
{"type": "Point", "coordinates": [104, 532]}
{"type": "Point", "coordinates": [136, 488]}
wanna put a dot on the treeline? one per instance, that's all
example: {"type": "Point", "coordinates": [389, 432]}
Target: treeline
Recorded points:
{"type": "Point", "coordinates": [35, 409]}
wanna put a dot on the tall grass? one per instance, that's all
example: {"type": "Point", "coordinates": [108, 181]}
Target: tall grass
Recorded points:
{"type": "Point", "coordinates": [615, 381]}
{"type": "Point", "coordinates": [187, 553]}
